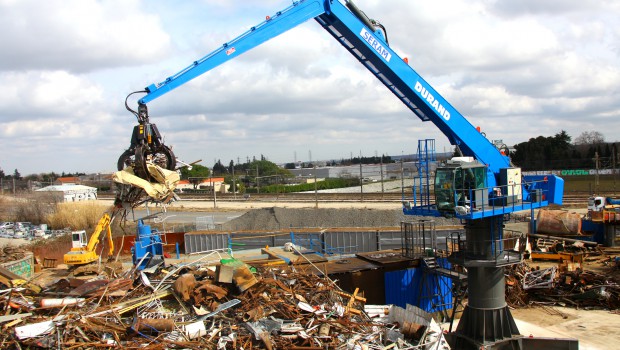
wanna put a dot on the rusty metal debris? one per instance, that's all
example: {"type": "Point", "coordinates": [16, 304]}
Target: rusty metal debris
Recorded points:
{"type": "Point", "coordinates": [9, 253]}
{"type": "Point", "coordinates": [565, 285]}
{"type": "Point", "coordinates": [209, 304]}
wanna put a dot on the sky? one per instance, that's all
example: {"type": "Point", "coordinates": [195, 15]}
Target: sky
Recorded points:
{"type": "Point", "coordinates": [516, 68]}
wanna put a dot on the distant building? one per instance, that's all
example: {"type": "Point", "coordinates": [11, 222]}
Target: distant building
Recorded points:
{"type": "Point", "coordinates": [71, 193]}
{"type": "Point", "coordinates": [208, 184]}
{"type": "Point", "coordinates": [68, 180]}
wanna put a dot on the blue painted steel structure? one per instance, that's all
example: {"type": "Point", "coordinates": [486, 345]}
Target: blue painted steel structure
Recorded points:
{"type": "Point", "coordinates": [499, 188]}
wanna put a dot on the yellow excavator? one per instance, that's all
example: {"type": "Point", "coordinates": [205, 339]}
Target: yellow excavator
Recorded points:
{"type": "Point", "coordinates": [82, 254]}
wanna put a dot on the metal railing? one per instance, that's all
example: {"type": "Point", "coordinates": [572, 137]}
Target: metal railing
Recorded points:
{"type": "Point", "coordinates": [500, 198]}
{"type": "Point", "coordinates": [487, 201]}
{"type": "Point", "coordinates": [498, 252]}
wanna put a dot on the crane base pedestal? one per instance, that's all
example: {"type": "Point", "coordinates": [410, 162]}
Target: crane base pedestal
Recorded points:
{"type": "Point", "coordinates": [488, 328]}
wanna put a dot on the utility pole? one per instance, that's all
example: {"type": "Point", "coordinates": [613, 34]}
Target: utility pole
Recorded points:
{"type": "Point", "coordinates": [381, 167]}
{"type": "Point", "coordinates": [361, 180]}
{"type": "Point", "coordinates": [234, 182]}
{"type": "Point", "coordinates": [613, 165]}
{"type": "Point", "coordinates": [214, 191]}
{"type": "Point", "coordinates": [402, 177]}
{"type": "Point", "coordinates": [596, 182]}
{"type": "Point", "coordinates": [257, 184]}
{"type": "Point", "coordinates": [316, 192]}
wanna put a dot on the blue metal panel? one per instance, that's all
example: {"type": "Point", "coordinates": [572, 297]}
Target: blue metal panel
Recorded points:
{"type": "Point", "coordinates": [596, 229]}
{"type": "Point", "coordinates": [552, 187]}
{"type": "Point", "coordinates": [401, 287]}
{"type": "Point", "coordinates": [409, 287]}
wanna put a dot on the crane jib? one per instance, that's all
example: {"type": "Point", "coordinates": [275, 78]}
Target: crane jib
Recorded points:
{"type": "Point", "coordinates": [426, 95]}
{"type": "Point", "coordinates": [375, 44]}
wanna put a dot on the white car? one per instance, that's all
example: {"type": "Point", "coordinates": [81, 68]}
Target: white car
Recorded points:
{"type": "Point", "coordinates": [7, 225]}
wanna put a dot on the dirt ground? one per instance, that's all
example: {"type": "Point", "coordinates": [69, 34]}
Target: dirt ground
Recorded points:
{"type": "Point", "coordinates": [595, 329]}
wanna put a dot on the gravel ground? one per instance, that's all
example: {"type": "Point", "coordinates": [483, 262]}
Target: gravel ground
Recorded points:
{"type": "Point", "coordinates": [280, 218]}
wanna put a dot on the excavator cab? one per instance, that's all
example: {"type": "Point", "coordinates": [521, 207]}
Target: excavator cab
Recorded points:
{"type": "Point", "coordinates": [460, 184]}
{"type": "Point", "coordinates": [78, 239]}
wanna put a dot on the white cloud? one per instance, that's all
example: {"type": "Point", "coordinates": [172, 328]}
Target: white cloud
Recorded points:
{"type": "Point", "coordinates": [519, 69]}
{"type": "Point", "coordinates": [36, 95]}
{"type": "Point", "coordinates": [78, 35]}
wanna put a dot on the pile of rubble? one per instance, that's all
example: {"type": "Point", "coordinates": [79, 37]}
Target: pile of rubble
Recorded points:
{"type": "Point", "coordinates": [9, 253]}
{"type": "Point", "coordinates": [560, 285]}
{"type": "Point", "coordinates": [221, 303]}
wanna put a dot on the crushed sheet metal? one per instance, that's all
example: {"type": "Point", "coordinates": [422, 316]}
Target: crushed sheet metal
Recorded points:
{"type": "Point", "coordinates": [34, 329]}
{"type": "Point", "coordinates": [160, 191]}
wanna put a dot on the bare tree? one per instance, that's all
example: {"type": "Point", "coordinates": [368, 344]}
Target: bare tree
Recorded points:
{"type": "Point", "coordinates": [590, 138]}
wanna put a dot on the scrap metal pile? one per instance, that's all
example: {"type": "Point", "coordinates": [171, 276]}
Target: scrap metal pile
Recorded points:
{"type": "Point", "coordinates": [560, 286]}
{"type": "Point", "coordinates": [9, 253]}
{"type": "Point", "coordinates": [222, 304]}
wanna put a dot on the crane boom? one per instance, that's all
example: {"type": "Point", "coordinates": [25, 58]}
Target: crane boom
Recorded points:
{"type": "Point", "coordinates": [368, 44]}
{"type": "Point", "coordinates": [370, 48]}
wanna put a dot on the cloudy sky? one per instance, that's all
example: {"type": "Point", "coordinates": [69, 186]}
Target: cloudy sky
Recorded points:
{"type": "Point", "coordinates": [517, 68]}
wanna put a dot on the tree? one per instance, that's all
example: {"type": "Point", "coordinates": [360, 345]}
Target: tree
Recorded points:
{"type": "Point", "coordinates": [49, 177]}
{"type": "Point", "coordinates": [17, 175]}
{"type": "Point", "coordinates": [2, 176]}
{"type": "Point", "coordinates": [196, 175]}
{"type": "Point", "coordinates": [543, 153]}
{"type": "Point", "coordinates": [198, 171]}
{"type": "Point", "coordinates": [219, 168]}
{"type": "Point", "coordinates": [589, 138]}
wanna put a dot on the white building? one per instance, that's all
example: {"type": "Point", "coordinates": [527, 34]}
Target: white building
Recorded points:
{"type": "Point", "coordinates": [72, 193]}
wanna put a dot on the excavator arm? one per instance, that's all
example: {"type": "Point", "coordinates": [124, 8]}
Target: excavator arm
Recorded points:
{"type": "Point", "coordinates": [103, 225]}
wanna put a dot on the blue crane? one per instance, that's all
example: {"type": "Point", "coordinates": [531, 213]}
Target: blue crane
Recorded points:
{"type": "Point", "coordinates": [480, 186]}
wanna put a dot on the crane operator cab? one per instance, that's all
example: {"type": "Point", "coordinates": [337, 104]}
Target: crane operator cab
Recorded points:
{"type": "Point", "coordinates": [460, 185]}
